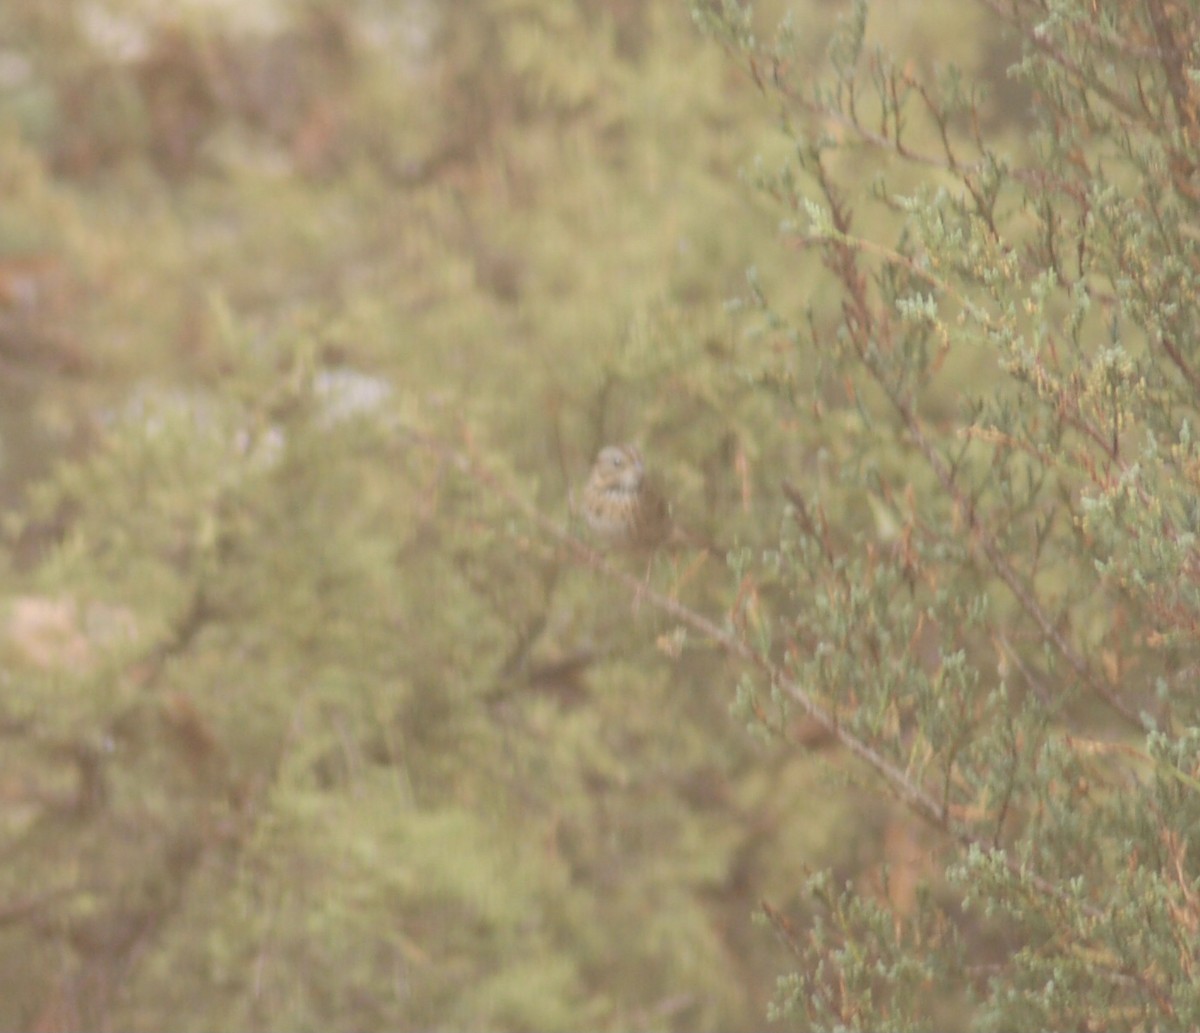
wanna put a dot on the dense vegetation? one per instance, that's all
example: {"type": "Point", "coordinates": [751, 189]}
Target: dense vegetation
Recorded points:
{"type": "Point", "coordinates": [320, 711]}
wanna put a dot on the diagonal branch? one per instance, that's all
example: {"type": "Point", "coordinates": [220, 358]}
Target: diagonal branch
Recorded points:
{"type": "Point", "coordinates": [864, 330]}
{"type": "Point", "coordinates": [1175, 68]}
{"type": "Point", "coordinates": [1008, 574]}
{"type": "Point", "coordinates": [911, 794]}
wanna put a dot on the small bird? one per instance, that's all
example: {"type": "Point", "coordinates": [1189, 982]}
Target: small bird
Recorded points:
{"type": "Point", "coordinates": [622, 506]}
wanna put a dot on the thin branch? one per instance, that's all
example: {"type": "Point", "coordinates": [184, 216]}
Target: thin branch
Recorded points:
{"type": "Point", "coordinates": [1005, 570]}
{"type": "Point", "coordinates": [892, 257]}
{"type": "Point", "coordinates": [850, 122]}
{"type": "Point", "coordinates": [916, 798]}
{"type": "Point", "coordinates": [1084, 78]}
{"type": "Point", "coordinates": [863, 330]}
{"type": "Point", "coordinates": [1175, 68]}
{"type": "Point", "coordinates": [1176, 356]}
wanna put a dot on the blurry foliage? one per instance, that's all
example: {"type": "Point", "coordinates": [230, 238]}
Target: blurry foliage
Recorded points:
{"type": "Point", "coordinates": [306, 725]}
{"type": "Point", "coordinates": [300, 729]}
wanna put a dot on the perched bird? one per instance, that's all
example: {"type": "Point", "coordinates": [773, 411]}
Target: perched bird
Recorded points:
{"type": "Point", "coordinates": [622, 506]}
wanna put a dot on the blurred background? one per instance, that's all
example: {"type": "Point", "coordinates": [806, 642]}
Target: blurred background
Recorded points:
{"type": "Point", "coordinates": [299, 729]}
